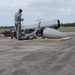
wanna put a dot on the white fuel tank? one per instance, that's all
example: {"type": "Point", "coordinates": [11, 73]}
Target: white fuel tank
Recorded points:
{"type": "Point", "coordinates": [52, 33]}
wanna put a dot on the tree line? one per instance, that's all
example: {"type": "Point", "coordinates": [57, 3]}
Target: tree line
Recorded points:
{"type": "Point", "coordinates": [68, 25]}
{"type": "Point", "coordinates": [6, 27]}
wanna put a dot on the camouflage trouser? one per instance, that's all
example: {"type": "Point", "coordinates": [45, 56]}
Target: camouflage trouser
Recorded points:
{"type": "Point", "coordinates": [12, 34]}
{"type": "Point", "coordinates": [18, 30]}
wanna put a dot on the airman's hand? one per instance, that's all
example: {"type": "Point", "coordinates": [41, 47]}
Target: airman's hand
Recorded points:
{"type": "Point", "coordinates": [22, 19]}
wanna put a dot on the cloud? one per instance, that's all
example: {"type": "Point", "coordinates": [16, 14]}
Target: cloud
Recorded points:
{"type": "Point", "coordinates": [65, 11]}
{"type": "Point", "coordinates": [46, 9]}
{"type": "Point", "coordinates": [10, 6]}
{"type": "Point", "coordinates": [36, 6]}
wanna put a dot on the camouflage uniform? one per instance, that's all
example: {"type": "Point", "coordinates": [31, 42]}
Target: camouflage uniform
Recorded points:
{"type": "Point", "coordinates": [18, 25]}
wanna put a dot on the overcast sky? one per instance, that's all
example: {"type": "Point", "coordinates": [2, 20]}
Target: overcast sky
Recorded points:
{"type": "Point", "coordinates": [47, 10]}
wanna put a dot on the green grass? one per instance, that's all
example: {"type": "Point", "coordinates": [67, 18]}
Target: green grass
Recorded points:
{"type": "Point", "coordinates": [62, 29]}
{"type": "Point", "coordinates": [2, 30]}
{"type": "Point", "coordinates": [67, 29]}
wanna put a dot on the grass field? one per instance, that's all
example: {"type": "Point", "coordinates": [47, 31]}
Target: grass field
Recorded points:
{"type": "Point", "coordinates": [67, 29]}
{"type": "Point", "coordinates": [2, 30]}
{"type": "Point", "coordinates": [62, 29]}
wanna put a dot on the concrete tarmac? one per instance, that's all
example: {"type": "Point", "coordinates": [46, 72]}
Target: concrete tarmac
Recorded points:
{"type": "Point", "coordinates": [38, 56]}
